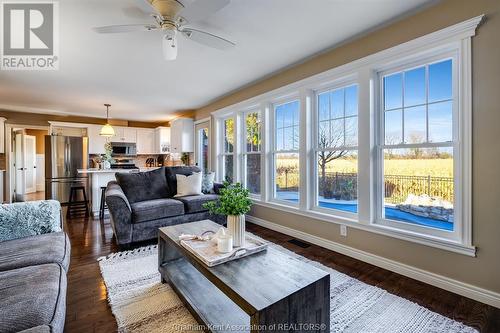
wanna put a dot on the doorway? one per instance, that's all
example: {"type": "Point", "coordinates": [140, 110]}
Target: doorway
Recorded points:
{"type": "Point", "coordinates": [202, 153]}
{"type": "Point", "coordinates": [26, 167]}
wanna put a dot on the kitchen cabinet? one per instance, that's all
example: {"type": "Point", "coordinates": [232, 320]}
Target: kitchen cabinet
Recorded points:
{"type": "Point", "coordinates": [146, 141]}
{"type": "Point", "coordinates": [162, 140]}
{"type": "Point", "coordinates": [96, 142]}
{"type": "Point", "coordinates": [124, 134]}
{"type": "Point", "coordinates": [182, 135]}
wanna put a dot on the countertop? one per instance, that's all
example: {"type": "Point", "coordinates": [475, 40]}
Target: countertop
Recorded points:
{"type": "Point", "coordinates": [96, 170]}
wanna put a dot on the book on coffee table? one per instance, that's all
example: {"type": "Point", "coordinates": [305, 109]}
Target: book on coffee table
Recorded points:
{"type": "Point", "coordinates": [206, 250]}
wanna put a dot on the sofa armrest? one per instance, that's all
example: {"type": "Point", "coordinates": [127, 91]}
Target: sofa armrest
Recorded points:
{"type": "Point", "coordinates": [31, 218]}
{"type": "Point", "coordinates": [217, 187]}
{"type": "Point", "coordinates": [121, 213]}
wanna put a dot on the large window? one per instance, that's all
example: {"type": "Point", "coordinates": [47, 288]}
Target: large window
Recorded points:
{"type": "Point", "coordinates": [228, 149]}
{"type": "Point", "coordinates": [252, 151]}
{"type": "Point", "coordinates": [286, 151]}
{"type": "Point", "coordinates": [336, 149]}
{"type": "Point", "coordinates": [381, 144]}
{"type": "Point", "coordinates": [417, 150]}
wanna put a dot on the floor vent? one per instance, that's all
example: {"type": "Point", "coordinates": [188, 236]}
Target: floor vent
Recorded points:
{"type": "Point", "coordinates": [300, 243]}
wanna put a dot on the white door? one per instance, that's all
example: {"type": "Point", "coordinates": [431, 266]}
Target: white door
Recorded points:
{"type": "Point", "coordinates": [30, 162]}
{"type": "Point", "coordinates": [202, 154]}
{"type": "Point", "coordinates": [19, 167]}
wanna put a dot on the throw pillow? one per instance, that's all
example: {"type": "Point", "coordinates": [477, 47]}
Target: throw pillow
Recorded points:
{"type": "Point", "coordinates": [188, 185]}
{"type": "Point", "coordinates": [207, 182]}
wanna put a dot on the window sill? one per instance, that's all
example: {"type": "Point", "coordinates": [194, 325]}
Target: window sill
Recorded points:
{"type": "Point", "coordinates": [440, 243]}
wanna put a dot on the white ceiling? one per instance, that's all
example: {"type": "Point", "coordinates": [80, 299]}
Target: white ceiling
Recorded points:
{"type": "Point", "coordinates": [128, 71]}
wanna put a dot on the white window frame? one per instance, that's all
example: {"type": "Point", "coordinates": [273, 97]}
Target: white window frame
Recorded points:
{"type": "Point", "coordinates": [245, 153]}
{"type": "Point", "coordinates": [222, 151]}
{"type": "Point", "coordinates": [456, 234]}
{"type": "Point", "coordinates": [364, 72]}
{"type": "Point", "coordinates": [290, 98]}
{"type": "Point", "coordinates": [339, 84]}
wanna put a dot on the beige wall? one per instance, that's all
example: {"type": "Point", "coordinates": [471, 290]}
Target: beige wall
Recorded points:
{"type": "Point", "coordinates": [484, 270]}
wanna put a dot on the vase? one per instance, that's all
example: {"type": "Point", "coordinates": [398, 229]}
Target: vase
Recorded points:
{"type": "Point", "coordinates": [236, 228]}
{"type": "Point", "coordinates": [106, 165]}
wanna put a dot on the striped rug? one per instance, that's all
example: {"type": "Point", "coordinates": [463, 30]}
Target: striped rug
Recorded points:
{"type": "Point", "coordinates": [141, 303]}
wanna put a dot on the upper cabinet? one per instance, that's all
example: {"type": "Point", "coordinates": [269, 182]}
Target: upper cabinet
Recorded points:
{"type": "Point", "coordinates": [96, 142]}
{"type": "Point", "coordinates": [146, 141]}
{"type": "Point", "coordinates": [162, 140]}
{"type": "Point", "coordinates": [124, 134]}
{"type": "Point", "coordinates": [182, 135]}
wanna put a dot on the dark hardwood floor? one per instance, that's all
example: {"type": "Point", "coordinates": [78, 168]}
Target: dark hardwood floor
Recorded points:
{"type": "Point", "coordinates": [88, 311]}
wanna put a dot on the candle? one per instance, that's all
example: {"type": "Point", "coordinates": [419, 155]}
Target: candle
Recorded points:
{"type": "Point", "coordinates": [224, 242]}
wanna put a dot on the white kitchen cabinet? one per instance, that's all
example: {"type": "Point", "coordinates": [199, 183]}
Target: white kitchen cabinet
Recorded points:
{"type": "Point", "coordinates": [146, 141]}
{"type": "Point", "coordinates": [182, 135]}
{"type": "Point", "coordinates": [96, 142]}
{"type": "Point", "coordinates": [162, 140]}
{"type": "Point", "coordinates": [124, 134]}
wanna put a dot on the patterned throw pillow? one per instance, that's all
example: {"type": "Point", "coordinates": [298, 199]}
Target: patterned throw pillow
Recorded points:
{"type": "Point", "coordinates": [207, 182]}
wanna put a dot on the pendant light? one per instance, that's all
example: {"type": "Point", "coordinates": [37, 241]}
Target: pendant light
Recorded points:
{"type": "Point", "coordinates": [107, 130]}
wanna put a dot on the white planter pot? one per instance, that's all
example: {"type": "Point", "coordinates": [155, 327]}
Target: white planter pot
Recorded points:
{"type": "Point", "coordinates": [236, 228]}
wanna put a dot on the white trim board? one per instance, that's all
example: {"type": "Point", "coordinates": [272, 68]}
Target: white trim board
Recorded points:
{"type": "Point", "coordinates": [461, 288]}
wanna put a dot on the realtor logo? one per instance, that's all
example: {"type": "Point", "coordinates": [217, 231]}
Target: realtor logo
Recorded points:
{"type": "Point", "coordinates": [30, 35]}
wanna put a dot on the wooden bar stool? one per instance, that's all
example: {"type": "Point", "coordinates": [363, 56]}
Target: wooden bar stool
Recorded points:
{"type": "Point", "coordinates": [75, 207]}
{"type": "Point", "coordinates": [103, 206]}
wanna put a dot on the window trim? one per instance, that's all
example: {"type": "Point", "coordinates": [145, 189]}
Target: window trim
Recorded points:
{"type": "Point", "coordinates": [222, 154]}
{"type": "Point", "coordinates": [456, 37]}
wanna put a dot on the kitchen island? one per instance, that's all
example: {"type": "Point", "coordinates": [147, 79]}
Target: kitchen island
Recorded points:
{"type": "Point", "coordinates": [100, 178]}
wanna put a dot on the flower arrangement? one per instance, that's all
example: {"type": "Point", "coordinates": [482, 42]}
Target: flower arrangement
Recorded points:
{"type": "Point", "coordinates": [234, 200]}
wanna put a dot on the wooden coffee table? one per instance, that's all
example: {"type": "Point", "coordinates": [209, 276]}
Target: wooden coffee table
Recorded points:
{"type": "Point", "coordinates": [270, 291]}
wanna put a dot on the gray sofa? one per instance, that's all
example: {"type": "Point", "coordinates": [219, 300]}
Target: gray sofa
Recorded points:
{"type": "Point", "coordinates": [140, 203]}
{"type": "Point", "coordinates": [34, 260]}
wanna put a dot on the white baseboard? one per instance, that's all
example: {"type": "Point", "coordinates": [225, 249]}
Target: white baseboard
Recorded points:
{"type": "Point", "coordinates": [476, 293]}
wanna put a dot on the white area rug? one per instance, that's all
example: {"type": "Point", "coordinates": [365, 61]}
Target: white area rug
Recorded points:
{"type": "Point", "coordinates": [141, 303]}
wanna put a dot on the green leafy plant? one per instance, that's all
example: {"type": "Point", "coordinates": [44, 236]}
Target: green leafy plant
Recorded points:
{"type": "Point", "coordinates": [108, 150]}
{"type": "Point", "coordinates": [233, 200]}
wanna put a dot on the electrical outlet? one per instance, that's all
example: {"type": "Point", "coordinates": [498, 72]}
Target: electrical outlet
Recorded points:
{"type": "Point", "coordinates": [343, 230]}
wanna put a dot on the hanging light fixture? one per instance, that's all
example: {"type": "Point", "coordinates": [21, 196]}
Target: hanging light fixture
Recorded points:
{"type": "Point", "coordinates": [107, 130]}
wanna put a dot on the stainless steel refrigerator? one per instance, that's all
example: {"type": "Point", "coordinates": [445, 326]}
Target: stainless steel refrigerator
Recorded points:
{"type": "Point", "coordinates": [64, 155]}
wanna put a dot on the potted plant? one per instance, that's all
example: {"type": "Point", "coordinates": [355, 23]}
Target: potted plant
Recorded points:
{"type": "Point", "coordinates": [234, 202]}
{"type": "Point", "coordinates": [107, 159]}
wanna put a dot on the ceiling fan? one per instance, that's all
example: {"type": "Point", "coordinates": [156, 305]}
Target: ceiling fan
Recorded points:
{"type": "Point", "coordinates": [171, 18]}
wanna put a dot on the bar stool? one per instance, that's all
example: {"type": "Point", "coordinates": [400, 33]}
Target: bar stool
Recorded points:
{"type": "Point", "coordinates": [103, 206]}
{"type": "Point", "coordinates": [77, 208]}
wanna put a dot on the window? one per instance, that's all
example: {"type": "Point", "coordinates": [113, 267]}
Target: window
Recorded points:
{"type": "Point", "coordinates": [252, 151]}
{"type": "Point", "coordinates": [336, 149]}
{"type": "Point", "coordinates": [418, 146]}
{"type": "Point", "coordinates": [286, 152]}
{"type": "Point", "coordinates": [228, 149]}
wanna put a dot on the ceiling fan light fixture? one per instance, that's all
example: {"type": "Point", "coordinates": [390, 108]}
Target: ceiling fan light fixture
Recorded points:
{"type": "Point", "coordinates": [169, 43]}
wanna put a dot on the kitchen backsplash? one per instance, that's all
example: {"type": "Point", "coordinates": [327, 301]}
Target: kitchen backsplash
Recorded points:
{"type": "Point", "coordinates": [140, 160]}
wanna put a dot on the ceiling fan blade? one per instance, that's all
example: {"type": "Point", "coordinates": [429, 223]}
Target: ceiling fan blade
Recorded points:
{"type": "Point", "coordinates": [207, 39]}
{"type": "Point", "coordinates": [147, 7]}
{"type": "Point", "coordinates": [199, 9]}
{"type": "Point", "coordinates": [112, 29]}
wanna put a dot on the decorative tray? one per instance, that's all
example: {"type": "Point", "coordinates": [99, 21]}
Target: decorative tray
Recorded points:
{"type": "Point", "coordinates": [206, 250]}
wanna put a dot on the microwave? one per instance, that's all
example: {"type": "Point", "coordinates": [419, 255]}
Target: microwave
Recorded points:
{"type": "Point", "coordinates": [123, 148]}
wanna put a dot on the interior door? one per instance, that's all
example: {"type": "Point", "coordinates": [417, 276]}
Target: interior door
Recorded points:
{"type": "Point", "coordinates": [202, 153]}
{"type": "Point", "coordinates": [20, 167]}
{"type": "Point", "coordinates": [30, 163]}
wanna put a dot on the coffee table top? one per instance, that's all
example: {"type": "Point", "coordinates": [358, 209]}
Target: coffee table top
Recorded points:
{"type": "Point", "coordinates": [253, 282]}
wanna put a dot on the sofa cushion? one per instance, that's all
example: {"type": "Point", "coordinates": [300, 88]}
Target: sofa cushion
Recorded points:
{"type": "Point", "coordinates": [156, 209]}
{"type": "Point", "coordinates": [194, 203]}
{"type": "Point", "coordinates": [35, 250]}
{"type": "Point", "coordinates": [142, 186]}
{"type": "Point", "coordinates": [33, 296]}
{"type": "Point", "coordinates": [171, 172]}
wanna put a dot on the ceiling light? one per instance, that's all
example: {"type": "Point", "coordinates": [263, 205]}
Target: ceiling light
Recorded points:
{"type": "Point", "coordinates": [107, 130]}
{"type": "Point", "coordinates": [169, 42]}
